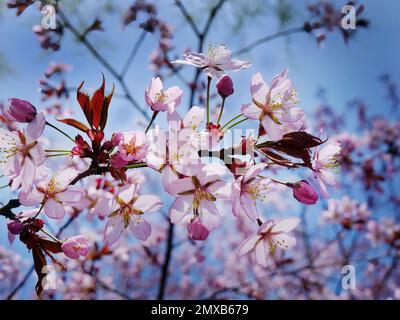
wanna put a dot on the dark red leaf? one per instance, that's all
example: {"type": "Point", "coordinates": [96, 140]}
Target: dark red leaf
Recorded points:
{"type": "Point", "coordinates": [75, 123]}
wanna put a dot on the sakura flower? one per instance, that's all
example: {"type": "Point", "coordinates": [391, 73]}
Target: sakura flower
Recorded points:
{"type": "Point", "coordinates": [162, 100]}
{"type": "Point", "coordinates": [324, 160]}
{"type": "Point", "coordinates": [23, 156]}
{"type": "Point", "coordinates": [131, 147]}
{"type": "Point", "coordinates": [274, 106]}
{"type": "Point", "coordinates": [76, 247]}
{"type": "Point", "coordinates": [225, 86]}
{"type": "Point", "coordinates": [252, 187]}
{"type": "Point", "coordinates": [128, 209]}
{"type": "Point", "coordinates": [269, 236]}
{"type": "Point", "coordinates": [217, 61]}
{"type": "Point", "coordinates": [196, 195]}
{"type": "Point", "coordinates": [197, 231]}
{"type": "Point", "coordinates": [304, 192]}
{"type": "Point", "coordinates": [53, 193]}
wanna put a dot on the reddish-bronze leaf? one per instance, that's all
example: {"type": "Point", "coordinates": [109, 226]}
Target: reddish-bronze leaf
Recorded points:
{"type": "Point", "coordinates": [75, 123]}
{"type": "Point", "coordinates": [97, 104]}
{"type": "Point", "coordinates": [278, 159]}
{"type": "Point", "coordinates": [40, 262]}
{"type": "Point", "coordinates": [49, 245]}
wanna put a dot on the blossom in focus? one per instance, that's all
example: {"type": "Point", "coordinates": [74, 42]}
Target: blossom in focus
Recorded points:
{"type": "Point", "coordinates": [76, 247]}
{"type": "Point", "coordinates": [196, 196]}
{"type": "Point", "coordinates": [162, 100]}
{"type": "Point", "coordinates": [127, 211]}
{"type": "Point", "coordinates": [20, 110]}
{"type": "Point", "coordinates": [304, 192]}
{"type": "Point", "coordinates": [269, 236]}
{"type": "Point", "coordinates": [23, 155]}
{"type": "Point", "coordinates": [274, 106]}
{"type": "Point", "coordinates": [53, 193]}
{"type": "Point", "coordinates": [132, 146]}
{"type": "Point", "coordinates": [225, 86]}
{"type": "Point", "coordinates": [324, 160]}
{"type": "Point", "coordinates": [252, 187]}
{"type": "Point", "coordinates": [215, 63]}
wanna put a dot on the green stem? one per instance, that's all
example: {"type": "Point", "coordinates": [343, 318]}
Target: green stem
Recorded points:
{"type": "Point", "coordinates": [221, 111]}
{"type": "Point", "coordinates": [40, 210]}
{"type": "Point", "coordinates": [230, 121]}
{"type": "Point", "coordinates": [235, 124]}
{"type": "Point", "coordinates": [58, 155]}
{"type": "Point", "coordinates": [58, 150]}
{"type": "Point", "coordinates": [136, 165]}
{"type": "Point", "coordinates": [59, 130]}
{"type": "Point", "coordinates": [208, 99]}
{"type": "Point", "coordinates": [3, 187]}
{"type": "Point", "coordinates": [151, 121]}
{"type": "Point", "coordinates": [50, 235]}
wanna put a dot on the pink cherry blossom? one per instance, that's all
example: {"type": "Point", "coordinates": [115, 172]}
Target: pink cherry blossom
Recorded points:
{"type": "Point", "coordinates": [53, 193]}
{"type": "Point", "coordinates": [274, 106]}
{"type": "Point", "coordinates": [75, 247]}
{"type": "Point", "coordinates": [196, 196]}
{"type": "Point", "coordinates": [252, 188]}
{"type": "Point", "coordinates": [161, 100]}
{"type": "Point", "coordinates": [20, 110]}
{"type": "Point", "coordinates": [217, 61]}
{"type": "Point", "coordinates": [324, 160]}
{"type": "Point", "coordinates": [131, 145]}
{"type": "Point", "coordinates": [127, 211]}
{"type": "Point", "coordinates": [269, 236]}
{"type": "Point", "coordinates": [23, 156]}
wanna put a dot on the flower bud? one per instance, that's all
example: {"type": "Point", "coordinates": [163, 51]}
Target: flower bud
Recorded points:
{"type": "Point", "coordinates": [225, 86]}
{"type": "Point", "coordinates": [197, 231]}
{"type": "Point", "coordinates": [15, 227]}
{"type": "Point", "coordinates": [20, 110]}
{"type": "Point", "coordinates": [304, 192]}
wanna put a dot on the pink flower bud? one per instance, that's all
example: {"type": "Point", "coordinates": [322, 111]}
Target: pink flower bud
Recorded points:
{"type": "Point", "coordinates": [15, 227]}
{"type": "Point", "coordinates": [75, 247]}
{"type": "Point", "coordinates": [197, 231]}
{"type": "Point", "coordinates": [225, 86]}
{"type": "Point", "coordinates": [20, 110]}
{"type": "Point", "coordinates": [304, 192]}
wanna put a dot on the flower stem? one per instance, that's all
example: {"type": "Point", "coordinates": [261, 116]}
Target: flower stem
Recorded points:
{"type": "Point", "coordinates": [3, 187]}
{"type": "Point", "coordinates": [235, 124]}
{"type": "Point", "coordinates": [40, 210]}
{"type": "Point", "coordinates": [137, 165]}
{"type": "Point", "coordinates": [59, 130]}
{"type": "Point", "coordinates": [151, 121]}
{"type": "Point", "coordinates": [230, 121]}
{"type": "Point", "coordinates": [58, 150]}
{"type": "Point", "coordinates": [58, 154]}
{"type": "Point", "coordinates": [221, 111]}
{"type": "Point", "coordinates": [208, 99]}
{"type": "Point", "coordinates": [50, 235]}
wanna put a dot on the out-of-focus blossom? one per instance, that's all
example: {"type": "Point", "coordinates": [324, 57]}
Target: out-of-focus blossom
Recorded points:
{"type": "Point", "coordinates": [161, 100]}
{"type": "Point", "coordinates": [53, 193]}
{"type": "Point", "coordinates": [127, 211]}
{"type": "Point", "coordinates": [215, 63]}
{"type": "Point", "coordinates": [269, 236]}
{"type": "Point", "coordinates": [326, 159]}
{"type": "Point", "coordinates": [75, 247]}
{"type": "Point", "coordinates": [225, 86]}
{"type": "Point", "coordinates": [274, 106]}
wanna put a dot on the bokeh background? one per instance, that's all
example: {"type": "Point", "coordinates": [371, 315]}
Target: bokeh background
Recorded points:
{"type": "Point", "coordinates": [332, 78]}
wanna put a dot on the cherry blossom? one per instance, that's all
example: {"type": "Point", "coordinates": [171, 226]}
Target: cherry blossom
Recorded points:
{"type": "Point", "coordinates": [132, 147]}
{"type": "Point", "coordinates": [75, 247]}
{"type": "Point", "coordinates": [270, 235]}
{"type": "Point", "coordinates": [159, 99]}
{"type": "Point", "coordinates": [216, 62]}
{"type": "Point", "coordinates": [53, 193]}
{"type": "Point", "coordinates": [324, 161]}
{"type": "Point", "coordinates": [274, 106]}
{"type": "Point", "coordinates": [127, 211]}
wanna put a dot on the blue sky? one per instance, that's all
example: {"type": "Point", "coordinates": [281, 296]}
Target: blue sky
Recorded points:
{"type": "Point", "coordinates": [346, 71]}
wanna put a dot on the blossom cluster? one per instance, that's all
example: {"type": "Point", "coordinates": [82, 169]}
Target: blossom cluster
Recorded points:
{"type": "Point", "coordinates": [199, 165]}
